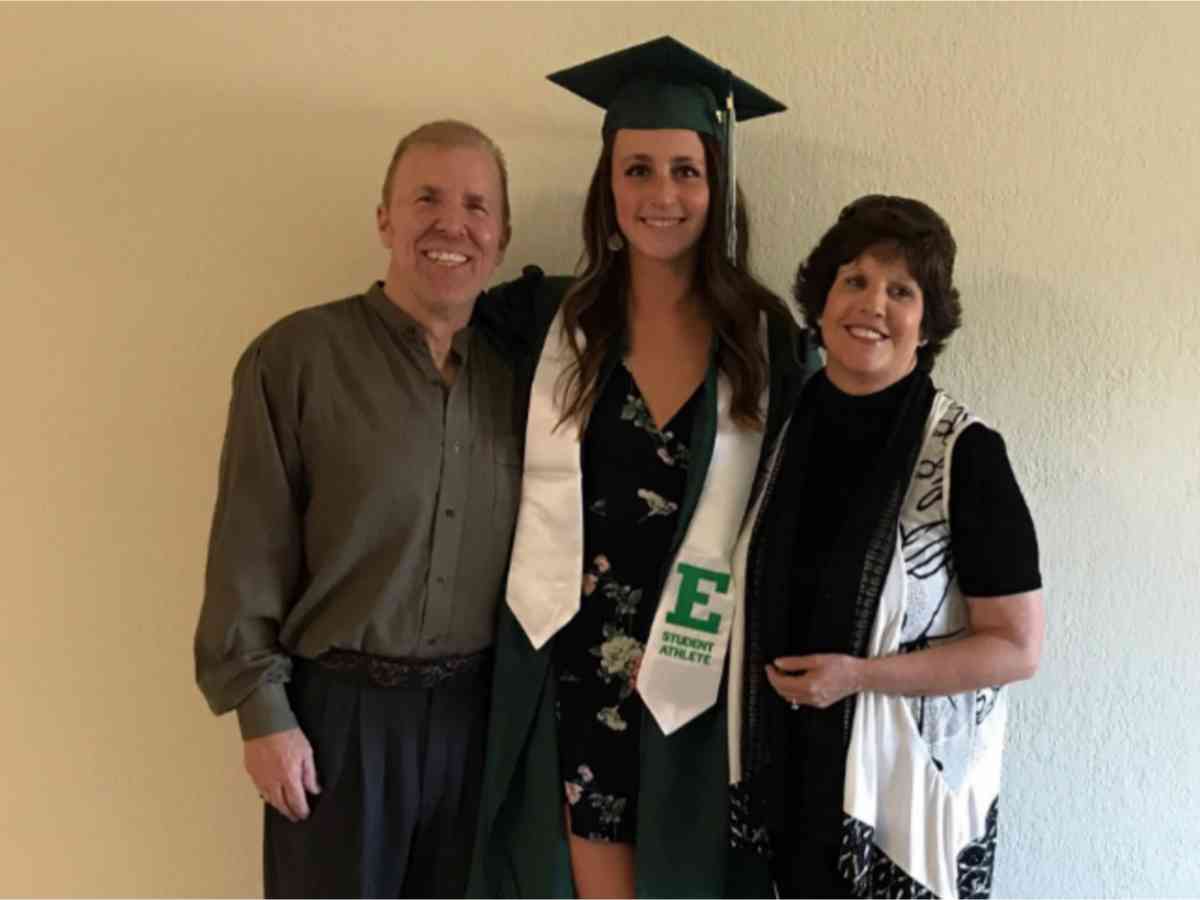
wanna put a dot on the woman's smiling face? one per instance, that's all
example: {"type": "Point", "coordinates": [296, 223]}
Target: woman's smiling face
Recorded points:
{"type": "Point", "coordinates": [661, 193]}
{"type": "Point", "coordinates": [871, 324]}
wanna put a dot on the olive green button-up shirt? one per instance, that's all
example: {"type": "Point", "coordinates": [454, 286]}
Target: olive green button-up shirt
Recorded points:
{"type": "Point", "coordinates": [362, 504]}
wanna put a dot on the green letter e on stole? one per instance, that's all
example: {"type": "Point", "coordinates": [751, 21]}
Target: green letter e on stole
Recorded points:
{"type": "Point", "coordinates": [690, 595]}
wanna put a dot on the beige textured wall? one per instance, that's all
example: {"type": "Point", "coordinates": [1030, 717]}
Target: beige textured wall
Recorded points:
{"type": "Point", "coordinates": [175, 177]}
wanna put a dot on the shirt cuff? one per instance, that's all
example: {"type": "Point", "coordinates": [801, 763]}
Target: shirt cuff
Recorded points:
{"type": "Point", "coordinates": [266, 711]}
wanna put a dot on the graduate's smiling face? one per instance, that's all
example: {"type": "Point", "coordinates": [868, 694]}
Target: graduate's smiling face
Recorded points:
{"type": "Point", "coordinates": [661, 193]}
{"type": "Point", "coordinates": [443, 225]}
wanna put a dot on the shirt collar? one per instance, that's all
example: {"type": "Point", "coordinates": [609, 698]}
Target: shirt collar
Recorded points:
{"type": "Point", "coordinates": [408, 329]}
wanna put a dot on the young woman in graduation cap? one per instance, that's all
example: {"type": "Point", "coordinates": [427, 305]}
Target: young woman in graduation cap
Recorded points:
{"type": "Point", "coordinates": [658, 377]}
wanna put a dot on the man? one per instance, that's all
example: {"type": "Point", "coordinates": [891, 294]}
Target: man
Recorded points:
{"type": "Point", "coordinates": [364, 514]}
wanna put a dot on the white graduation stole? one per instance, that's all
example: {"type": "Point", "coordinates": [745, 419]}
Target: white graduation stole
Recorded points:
{"type": "Point", "coordinates": [681, 671]}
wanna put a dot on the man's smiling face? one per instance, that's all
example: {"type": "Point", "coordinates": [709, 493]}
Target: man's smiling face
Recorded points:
{"type": "Point", "coordinates": [443, 225]}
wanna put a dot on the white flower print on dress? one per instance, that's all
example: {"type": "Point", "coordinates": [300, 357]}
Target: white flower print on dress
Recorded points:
{"type": "Point", "coordinates": [625, 599]}
{"type": "Point", "coordinates": [670, 451]}
{"type": "Point", "coordinates": [619, 654]}
{"type": "Point", "coordinates": [609, 716]}
{"type": "Point", "coordinates": [573, 792]}
{"type": "Point", "coordinates": [574, 788]}
{"type": "Point", "coordinates": [635, 411]}
{"type": "Point", "coordinates": [610, 807]}
{"type": "Point", "coordinates": [659, 505]}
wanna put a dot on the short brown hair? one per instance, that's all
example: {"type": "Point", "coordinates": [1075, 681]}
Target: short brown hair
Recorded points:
{"type": "Point", "coordinates": [452, 133]}
{"type": "Point", "coordinates": [918, 234]}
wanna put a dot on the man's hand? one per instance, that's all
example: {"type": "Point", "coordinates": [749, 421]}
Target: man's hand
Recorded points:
{"type": "Point", "coordinates": [282, 768]}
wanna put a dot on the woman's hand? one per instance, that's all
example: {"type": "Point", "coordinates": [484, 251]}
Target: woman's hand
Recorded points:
{"type": "Point", "coordinates": [1003, 644]}
{"type": "Point", "coordinates": [820, 680]}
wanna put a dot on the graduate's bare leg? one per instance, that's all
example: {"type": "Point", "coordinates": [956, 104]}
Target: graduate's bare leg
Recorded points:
{"type": "Point", "coordinates": [600, 868]}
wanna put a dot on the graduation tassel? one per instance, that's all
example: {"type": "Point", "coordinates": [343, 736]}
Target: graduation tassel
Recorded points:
{"type": "Point", "coordinates": [731, 235]}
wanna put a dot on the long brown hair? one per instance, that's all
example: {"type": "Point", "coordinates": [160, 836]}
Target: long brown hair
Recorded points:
{"type": "Point", "coordinates": [731, 298]}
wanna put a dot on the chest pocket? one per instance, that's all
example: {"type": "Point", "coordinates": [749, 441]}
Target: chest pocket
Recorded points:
{"type": "Point", "coordinates": [507, 461]}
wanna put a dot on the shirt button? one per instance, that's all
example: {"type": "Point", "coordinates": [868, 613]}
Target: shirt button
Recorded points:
{"type": "Point", "coordinates": [457, 447]}
{"type": "Point", "coordinates": [449, 514]}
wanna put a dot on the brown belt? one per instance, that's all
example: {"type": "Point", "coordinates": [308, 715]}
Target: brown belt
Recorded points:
{"type": "Point", "coordinates": [392, 672]}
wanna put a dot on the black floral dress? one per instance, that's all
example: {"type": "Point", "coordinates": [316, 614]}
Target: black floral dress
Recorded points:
{"type": "Point", "coordinates": [634, 475]}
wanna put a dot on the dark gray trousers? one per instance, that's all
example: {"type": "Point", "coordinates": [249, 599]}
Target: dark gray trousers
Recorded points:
{"type": "Point", "coordinates": [399, 770]}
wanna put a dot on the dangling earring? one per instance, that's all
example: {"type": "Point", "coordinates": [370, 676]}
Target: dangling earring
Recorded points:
{"type": "Point", "coordinates": [615, 242]}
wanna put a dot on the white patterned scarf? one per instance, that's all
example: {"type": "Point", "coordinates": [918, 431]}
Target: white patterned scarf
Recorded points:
{"type": "Point", "coordinates": [922, 773]}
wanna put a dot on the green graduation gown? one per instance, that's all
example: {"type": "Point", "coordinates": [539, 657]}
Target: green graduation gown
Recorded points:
{"type": "Point", "coordinates": [682, 847]}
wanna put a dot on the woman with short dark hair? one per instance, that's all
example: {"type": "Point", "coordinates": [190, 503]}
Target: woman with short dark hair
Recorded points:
{"type": "Point", "coordinates": [893, 590]}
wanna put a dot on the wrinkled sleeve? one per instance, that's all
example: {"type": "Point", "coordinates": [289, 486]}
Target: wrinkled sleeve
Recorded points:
{"type": "Point", "coordinates": [507, 313]}
{"type": "Point", "coordinates": [255, 552]}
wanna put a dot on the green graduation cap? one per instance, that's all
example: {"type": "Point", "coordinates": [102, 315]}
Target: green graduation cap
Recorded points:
{"type": "Point", "coordinates": [663, 84]}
